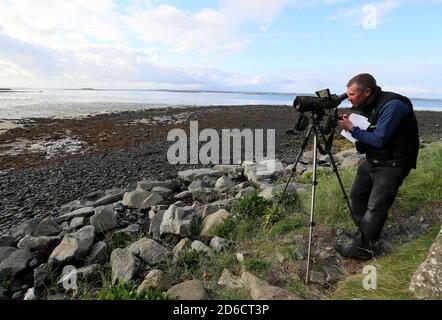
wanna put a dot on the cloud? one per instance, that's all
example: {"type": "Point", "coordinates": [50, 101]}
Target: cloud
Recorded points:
{"type": "Point", "coordinates": [369, 15]}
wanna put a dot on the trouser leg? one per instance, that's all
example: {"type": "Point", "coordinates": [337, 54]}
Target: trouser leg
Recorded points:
{"type": "Point", "coordinates": [386, 182]}
{"type": "Point", "coordinates": [360, 192]}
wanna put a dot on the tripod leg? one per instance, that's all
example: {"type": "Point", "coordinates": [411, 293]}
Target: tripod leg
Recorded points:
{"type": "Point", "coordinates": [304, 144]}
{"type": "Point", "coordinates": [312, 207]}
{"type": "Point", "coordinates": [335, 170]}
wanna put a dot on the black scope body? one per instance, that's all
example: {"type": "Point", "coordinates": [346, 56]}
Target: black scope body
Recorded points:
{"type": "Point", "coordinates": [317, 104]}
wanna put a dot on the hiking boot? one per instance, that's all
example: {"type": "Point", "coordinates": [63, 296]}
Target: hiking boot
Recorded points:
{"type": "Point", "coordinates": [353, 252]}
{"type": "Point", "coordinates": [351, 233]}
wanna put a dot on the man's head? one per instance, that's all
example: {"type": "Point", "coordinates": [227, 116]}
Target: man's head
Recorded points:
{"type": "Point", "coordinates": [360, 88]}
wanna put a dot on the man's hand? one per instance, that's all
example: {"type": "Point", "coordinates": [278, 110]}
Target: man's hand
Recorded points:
{"type": "Point", "coordinates": [345, 122]}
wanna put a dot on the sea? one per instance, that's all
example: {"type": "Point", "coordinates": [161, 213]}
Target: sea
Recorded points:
{"type": "Point", "coordinates": [58, 103]}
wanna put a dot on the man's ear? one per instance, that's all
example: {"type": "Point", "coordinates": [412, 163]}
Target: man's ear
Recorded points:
{"type": "Point", "coordinates": [368, 92]}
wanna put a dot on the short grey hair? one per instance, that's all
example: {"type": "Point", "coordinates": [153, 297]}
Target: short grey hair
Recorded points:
{"type": "Point", "coordinates": [363, 81]}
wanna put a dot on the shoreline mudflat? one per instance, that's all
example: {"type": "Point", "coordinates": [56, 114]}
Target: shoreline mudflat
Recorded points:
{"type": "Point", "coordinates": [45, 163]}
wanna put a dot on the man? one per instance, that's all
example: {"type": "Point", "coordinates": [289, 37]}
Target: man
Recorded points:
{"type": "Point", "coordinates": [391, 147]}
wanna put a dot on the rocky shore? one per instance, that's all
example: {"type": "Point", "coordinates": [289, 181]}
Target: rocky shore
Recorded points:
{"type": "Point", "coordinates": [75, 208]}
{"type": "Point", "coordinates": [45, 163]}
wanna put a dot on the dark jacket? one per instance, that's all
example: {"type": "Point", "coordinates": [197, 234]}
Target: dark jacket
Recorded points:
{"type": "Point", "coordinates": [402, 149]}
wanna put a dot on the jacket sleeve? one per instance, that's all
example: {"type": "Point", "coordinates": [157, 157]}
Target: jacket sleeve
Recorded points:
{"type": "Point", "coordinates": [390, 117]}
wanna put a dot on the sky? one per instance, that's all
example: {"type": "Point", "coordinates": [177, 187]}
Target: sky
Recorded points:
{"type": "Point", "coordinates": [290, 46]}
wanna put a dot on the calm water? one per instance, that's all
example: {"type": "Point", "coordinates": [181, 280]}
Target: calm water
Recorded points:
{"type": "Point", "coordinates": [76, 103]}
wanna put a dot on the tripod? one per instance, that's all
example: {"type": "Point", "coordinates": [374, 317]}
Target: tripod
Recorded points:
{"type": "Point", "coordinates": [317, 131]}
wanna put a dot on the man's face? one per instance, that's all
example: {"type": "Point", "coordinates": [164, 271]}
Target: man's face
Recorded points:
{"type": "Point", "coordinates": [356, 96]}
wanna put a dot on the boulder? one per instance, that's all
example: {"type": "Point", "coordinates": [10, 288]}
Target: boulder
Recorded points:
{"type": "Point", "coordinates": [269, 192]}
{"type": "Point", "coordinates": [7, 241]}
{"type": "Point", "coordinates": [229, 281]}
{"type": "Point", "coordinates": [231, 170]}
{"type": "Point", "coordinates": [155, 225]}
{"type": "Point", "coordinates": [5, 252]}
{"type": "Point", "coordinates": [183, 245]}
{"type": "Point", "coordinates": [42, 275]}
{"type": "Point", "coordinates": [124, 264]}
{"type": "Point", "coordinates": [205, 195]}
{"type": "Point", "coordinates": [200, 246]}
{"type": "Point", "coordinates": [38, 243]}
{"type": "Point", "coordinates": [99, 253]}
{"type": "Point", "coordinates": [178, 221]}
{"type": "Point", "coordinates": [224, 184]}
{"type": "Point", "coordinates": [195, 174]}
{"type": "Point", "coordinates": [155, 279]}
{"type": "Point", "coordinates": [152, 200]}
{"type": "Point", "coordinates": [266, 169]}
{"type": "Point", "coordinates": [104, 219]}
{"type": "Point", "coordinates": [15, 263]}
{"type": "Point", "coordinates": [85, 273]}
{"type": "Point", "coordinates": [149, 251]}
{"type": "Point", "coordinates": [211, 222]}
{"type": "Point", "coordinates": [135, 198]}
{"type": "Point", "coordinates": [245, 192]}
{"type": "Point", "coordinates": [74, 246]}
{"type": "Point", "coordinates": [78, 222]}
{"type": "Point", "coordinates": [189, 290]}
{"type": "Point", "coordinates": [25, 229]}
{"type": "Point", "coordinates": [148, 185]}
{"type": "Point", "coordinates": [163, 192]}
{"type": "Point", "coordinates": [219, 244]}
{"type": "Point", "coordinates": [82, 212]}
{"type": "Point", "coordinates": [47, 227]}
{"type": "Point", "coordinates": [426, 282]}
{"type": "Point", "coordinates": [206, 210]}
{"type": "Point", "coordinates": [261, 290]}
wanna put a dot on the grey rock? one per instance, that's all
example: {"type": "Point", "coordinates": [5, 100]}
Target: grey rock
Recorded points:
{"type": "Point", "coordinates": [183, 195]}
{"type": "Point", "coordinates": [267, 169]}
{"type": "Point", "coordinates": [74, 246]}
{"type": "Point", "coordinates": [219, 244]}
{"type": "Point", "coordinates": [42, 275]}
{"type": "Point", "coordinates": [243, 256]}
{"type": "Point", "coordinates": [229, 281]}
{"type": "Point", "coordinates": [206, 210]}
{"type": "Point", "coordinates": [78, 222]}
{"type": "Point", "coordinates": [104, 219]}
{"type": "Point", "coordinates": [124, 264]}
{"type": "Point", "coordinates": [109, 197]}
{"type": "Point", "coordinates": [317, 277]}
{"type": "Point", "coordinates": [30, 295]}
{"type": "Point", "coordinates": [245, 192]}
{"type": "Point", "coordinates": [426, 282]}
{"type": "Point", "coordinates": [135, 198]}
{"type": "Point", "coordinates": [200, 246]}
{"type": "Point", "coordinates": [163, 192]}
{"type": "Point", "coordinates": [155, 225]}
{"type": "Point", "coordinates": [130, 231]}
{"type": "Point", "coordinates": [25, 229]}
{"type": "Point", "coordinates": [155, 279]}
{"type": "Point", "coordinates": [178, 221]}
{"type": "Point", "coordinates": [82, 212]}
{"type": "Point", "coordinates": [197, 185]}
{"type": "Point", "coordinates": [152, 200]}
{"type": "Point", "coordinates": [99, 253]}
{"type": "Point", "coordinates": [224, 184]}
{"type": "Point", "coordinates": [194, 174]}
{"type": "Point", "coordinates": [5, 252]}
{"type": "Point", "coordinates": [17, 295]}
{"type": "Point", "coordinates": [189, 290]}
{"type": "Point", "coordinates": [213, 221]}
{"type": "Point", "coordinates": [38, 243]}
{"type": "Point", "coordinates": [3, 294]}
{"type": "Point", "coordinates": [149, 251]}
{"type": "Point", "coordinates": [87, 273]}
{"type": "Point", "coordinates": [205, 195]}
{"type": "Point", "coordinates": [179, 204]}
{"type": "Point", "coordinates": [232, 170]}
{"type": "Point", "coordinates": [47, 227]}
{"type": "Point", "coordinates": [148, 185]}
{"type": "Point", "coordinates": [7, 241]}
{"type": "Point", "coordinates": [270, 192]}
{"type": "Point", "coordinates": [183, 245]}
{"type": "Point", "coordinates": [16, 262]}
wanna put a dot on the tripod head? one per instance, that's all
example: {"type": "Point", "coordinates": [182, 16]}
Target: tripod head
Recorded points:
{"type": "Point", "coordinates": [325, 104]}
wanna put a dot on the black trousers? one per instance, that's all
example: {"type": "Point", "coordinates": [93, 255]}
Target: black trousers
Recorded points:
{"type": "Point", "coordinates": [372, 194]}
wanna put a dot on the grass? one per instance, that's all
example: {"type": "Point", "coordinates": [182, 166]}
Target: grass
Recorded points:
{"type": "Point", "coordinates": [394, 273]}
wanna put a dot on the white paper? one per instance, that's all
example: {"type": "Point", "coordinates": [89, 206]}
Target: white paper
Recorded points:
{"type": "Point", "coordinates": [358, 121]}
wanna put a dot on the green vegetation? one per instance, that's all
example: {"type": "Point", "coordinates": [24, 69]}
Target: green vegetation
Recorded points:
{"type": "Point", "coordinates": [394, 272]}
